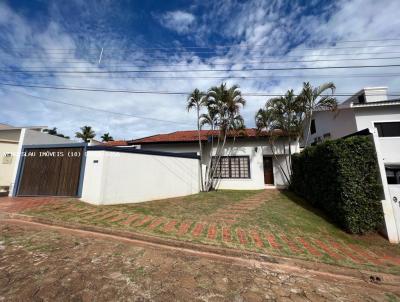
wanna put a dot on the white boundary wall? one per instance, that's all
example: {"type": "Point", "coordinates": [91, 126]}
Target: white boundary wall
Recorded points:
{"type": "Point", "coordinates": [121, 177]}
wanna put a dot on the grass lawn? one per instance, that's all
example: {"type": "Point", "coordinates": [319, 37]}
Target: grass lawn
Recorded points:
{"type": "Point", "coordinates": [271, 222]}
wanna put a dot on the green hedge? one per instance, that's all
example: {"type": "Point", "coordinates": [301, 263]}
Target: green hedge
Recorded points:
{"type": "Point", "coordinates": [341, 178]}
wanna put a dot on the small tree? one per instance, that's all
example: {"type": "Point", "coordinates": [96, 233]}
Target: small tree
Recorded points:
{"type": "Point", "coordinates": [312, 99]}
{"type": "Point", "coordinates": [86, 134]}
{"type": "Point", "coordinates": [196, 100]}
{"type": "Point", "coordinates": [106, 137]}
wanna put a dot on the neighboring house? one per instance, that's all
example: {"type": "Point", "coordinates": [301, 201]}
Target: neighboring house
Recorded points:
{"type": "Point", "coordinates": [370, 111]}
{"type": "Point", "coordinates": [248, 162]}
{"type": "Point", "coordinates": [11, 141]}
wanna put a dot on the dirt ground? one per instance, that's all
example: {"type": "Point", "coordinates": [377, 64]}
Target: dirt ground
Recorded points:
{"type": "Point", "coordinates": [41, 264]}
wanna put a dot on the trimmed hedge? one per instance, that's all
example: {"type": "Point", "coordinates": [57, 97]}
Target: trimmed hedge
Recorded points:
{"type": "Point", "coordinates": [341, 178]}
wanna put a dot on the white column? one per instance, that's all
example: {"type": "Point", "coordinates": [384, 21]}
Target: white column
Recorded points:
{"type": "Point", "coordinates": [392, 226]}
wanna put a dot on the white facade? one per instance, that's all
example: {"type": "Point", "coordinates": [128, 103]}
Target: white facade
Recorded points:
{"type": "Point", "coordinates": [123, 177]}
{"type": "Point", "coordinates": [255, 148]}
{"type": "Point", "coordinates": [365, 110]}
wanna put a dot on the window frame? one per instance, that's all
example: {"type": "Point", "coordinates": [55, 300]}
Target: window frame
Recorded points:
{"type": "Point", "coordinates": [228, 170]}
{"type": "Point", "coordinates": [396, 175]}
{"type": "Point", "coordinates": [379, 129]}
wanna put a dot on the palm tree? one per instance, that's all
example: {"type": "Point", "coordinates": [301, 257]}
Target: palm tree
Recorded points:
{"type": "Point", "coordinates": [106, 137]}
{"type": "Point", "coordinates": [224, 106]}
{"type": "Point", "coordinates": [282, 115]}
{"type": "Point", "coordinates": [86, 134]}
{"type": "Point", "coordinates": [196, 100]}
{"type": "Point", "coordinates": [312, 99]}
{"type": "Point", "coordinates": [54, 131]}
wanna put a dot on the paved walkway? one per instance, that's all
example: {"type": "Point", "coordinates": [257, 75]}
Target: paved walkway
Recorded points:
{"type": "Point", "coordinates": [18, 204]}
{"type": "Point", "coordinates": [232, 213]}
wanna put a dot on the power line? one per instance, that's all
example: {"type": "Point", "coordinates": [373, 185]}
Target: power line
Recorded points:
{"type": "Point", "coordinates": [148, 91]}
{"type": "Point", "coordinates": [100, 110]}
{"type": "Point", "coordinates": [200, 70]}
{"type": "Point", "coordinates": [70, 60]}
{"type": "Point", "coordinates": [227, 64]}
{"type": "Point", "coordinates": [241, 45]}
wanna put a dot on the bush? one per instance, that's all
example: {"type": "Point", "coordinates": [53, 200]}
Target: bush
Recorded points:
{"type": "Point", "coordinates": [341, 177]}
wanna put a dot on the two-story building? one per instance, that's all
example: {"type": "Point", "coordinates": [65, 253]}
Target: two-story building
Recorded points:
{"type": "Point", "coordinates": [369, 111]}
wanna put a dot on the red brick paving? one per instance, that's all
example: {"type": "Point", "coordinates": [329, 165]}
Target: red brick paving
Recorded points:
{"type": "Point", "coordinates": [327, 250]}
{"type": "Point", "coordinates": [198, 229]}
{"type": "Point", "coordinates": [142, 222]}
{"type": "Point", "coordinates": [184, 227]}
{"type": "Point", "coordinates": [119, 218]}
{"type": "Point", "coordinates": [230, 214]}
{"type": "Point", "coordinates": [345, 251]}
{"type": "Point", "coordinates": [309, 247]}
{"type": "Point", "coordinates": [226, 234]}
{"type": "Point", "coordinates": [292, 246]}
{"type": "Point", "coordinates": [19, 204]}
{"type": "Point", "coordinates": [131, 219]}
{"type": "Point", "coordinates": [170, 226]}
{"type": "Point", "coordinates": [364, 254]}
{"type": "Point", "coordinates": [256, 238]}
{"type": "Point", "coordinates": [156, 223]}
{"type": "Point", "coordinates": [272, 241]}
{"type": "Point", "coordinates": [212, 232]}
{"type": "Point", "coordinates": [242, 236]}
{"type": "Point", "coordinates": [333, 249]}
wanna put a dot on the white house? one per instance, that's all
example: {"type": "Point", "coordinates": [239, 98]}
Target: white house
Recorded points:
{"type": "Point", "coordinates": [370, 111]}
{"type": "Point", "coordinates": [12, 139]}
{"type": "Point", "coordinates": [248, 162]}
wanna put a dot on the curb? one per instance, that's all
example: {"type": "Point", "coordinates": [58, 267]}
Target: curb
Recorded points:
{"type": "Point", "coordinates": [231, 255]}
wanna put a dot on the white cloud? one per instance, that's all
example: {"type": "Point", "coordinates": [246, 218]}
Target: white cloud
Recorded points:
{"type": "Point", "coordinates": [248, 24]}
{"type": "Point", "coordinates": [179, 21]}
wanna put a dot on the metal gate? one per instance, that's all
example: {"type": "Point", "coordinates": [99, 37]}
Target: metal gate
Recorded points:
{"type": "Point", "coordinates": [51, 171]}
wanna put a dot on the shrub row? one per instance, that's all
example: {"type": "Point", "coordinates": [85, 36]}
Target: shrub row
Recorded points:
{"type": "Point", "coordinates": [341, 177]}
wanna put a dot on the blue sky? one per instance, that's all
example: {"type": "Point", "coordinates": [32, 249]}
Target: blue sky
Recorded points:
{"type": "Point", "coordinates": [152, 35]}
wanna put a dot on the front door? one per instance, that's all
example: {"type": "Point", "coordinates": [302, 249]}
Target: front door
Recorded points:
{"type": "Point", "coordinates": [268, 170]}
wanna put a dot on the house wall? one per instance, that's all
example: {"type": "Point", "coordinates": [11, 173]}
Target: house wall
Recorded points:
{"type": "Point", "coordinates": [241, 147]}
{"type": "Point", "coordinates": [338, 124]}
{"type": "Point", "coordinates": [120, 177]}
{"type": "Point", "coordinates": [7, 168]}
{"type": "Point", "coordinates": [367, 116]}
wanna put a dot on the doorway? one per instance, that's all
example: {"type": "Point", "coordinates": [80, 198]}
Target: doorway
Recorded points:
{"type": "Point", "coordinates": [268, 170]}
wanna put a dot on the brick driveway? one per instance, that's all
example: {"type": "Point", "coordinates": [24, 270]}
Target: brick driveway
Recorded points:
{"type": "Point", "coordinates": [218, 229]}
{"type": "Point", "coordinates": [20, 204]}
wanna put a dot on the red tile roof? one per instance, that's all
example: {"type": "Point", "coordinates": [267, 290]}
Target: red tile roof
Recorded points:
{"type": "Point", "coordinates": [189, 136]}
{"type": "Point", "coordinates": [116, 143]}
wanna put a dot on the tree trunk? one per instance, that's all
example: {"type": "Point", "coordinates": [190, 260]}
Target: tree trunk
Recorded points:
{"type": "Point", "coordinates": [200, 149]}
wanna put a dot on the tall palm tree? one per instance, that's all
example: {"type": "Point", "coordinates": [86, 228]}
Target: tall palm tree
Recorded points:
{"type": "Point", "coordinates": [313, 99]}
{"type": "Point", "coordinates": [225, 104]}
{"type": "Point", "coordinates": [196, 100]}
{"type": "Point", "coordinates": [286, 115]}
{"type": "Point", "coordinates": [106, 137]}
{"type": "Point", "coordinates": [86, 134]}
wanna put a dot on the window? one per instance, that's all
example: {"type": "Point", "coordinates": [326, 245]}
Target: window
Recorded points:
{"type": "Point", "coordinates": [232, 167]}
{"type": "Point", "coordinates": [313, 129]}
{"type": "Point", "coordinates": [389, 129]}
{"type": "Point", "coordinates": [361, 98]}
{"type": "Point", "coordinates": [393, 175]}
